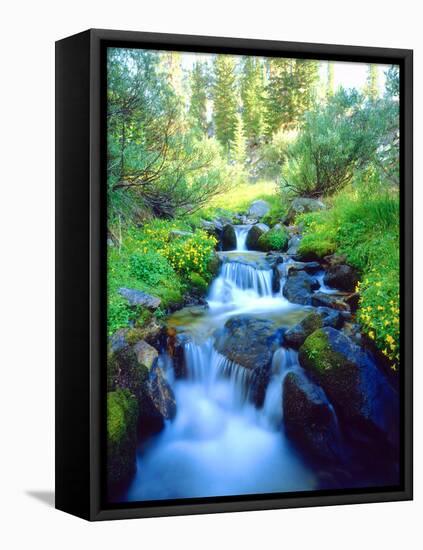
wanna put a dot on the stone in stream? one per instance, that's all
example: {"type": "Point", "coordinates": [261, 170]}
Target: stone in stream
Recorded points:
{"type": "Point", "coordinates": [308, 419]}
{"type": "Point", "coordinates": [254, 235]}
{"type": "Point", "coordinates": [299, 286]}
{"type": "Point", "coordinates": [139, 298]}
{"type": "Point", "coordinates": [258, 209]}
{"type": "Point", "coordinates": [329, 300]}
{"type": "Point", "coordinates": [293, 244]}
{"type": "Point", "coordinates": [228, 237]}
{"type": "Point", "coordinates": [321, 317]}
{"type": "Point", "coordinates": [363, 399]}
{"type": "Point", "coordinates": [341, 276]}
{"type": "Point", "coordinates": [249, 341]}
{"type": "Point", "coordinates": [134, 367]}
{"type": "Point", "coordinates": [308, 267]}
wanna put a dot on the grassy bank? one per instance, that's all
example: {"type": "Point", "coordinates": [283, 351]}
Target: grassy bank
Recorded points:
{"type": "Point", "coordinates": [362, 222]}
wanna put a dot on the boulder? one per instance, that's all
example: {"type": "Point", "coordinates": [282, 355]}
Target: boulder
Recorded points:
{"type": "Point", "coordinates": [342, 277]}
{"type": "Point", "coordinates": [122, 418]}
{"type": "Point", "coordinates": [321, 317]}
{"type": "Point", "coordinates": [140, 298]}
{"type": "Point", "coordinates": [175, 346]}
{"type": "Point", "coordinates": [146, 354]}
{"type": "Point", "coordinates": [213, 228]}
{"type": "Point", "coordinates": [228, 237]}
{"type": "Point", "coordinates": [298, 287]}
{"type": "Point", "coordinates": [308, 267]}
{"type": "Point", "coordinates": [329, 300]}
{"type": "Point", "coordinates": [302, 205]}
{"type": "Point", "coordinates": [309, 419]}
{"type": "Point", "coordinates": [258, 209]}
{"type": "Point", "coordinates": [248, 341]}
{"type": "Point", "coordinates": [293, 244]}
{"type": "Point", "coordinates": [254, 235]}
{"type": "Point", "coordinates": [360, 393]}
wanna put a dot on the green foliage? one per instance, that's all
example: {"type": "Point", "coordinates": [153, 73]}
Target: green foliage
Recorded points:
{"type": "Point", "coordinates": [274, 239]}
{"type": "Point", "coordinates": [150, 267]}
{"type": "Point", "coordinates": [335, 141]}
{"type": "Point", "coordinates": [198, 282]}
{"type": "Point", "coordinates": [273, 154]}
{"type": "Point", "coordinates": [289, 92]}
{"type": "Point", "coordinates": [225, 100]}
{"type": "Point", "coordinates": [252, 95]}
{"type": "Point", "coordinates": [122, 416]}
{"type": "Point", "coordinates": [198, 103]}
{"type": "Point", "coordinates": [363, 224]}
{"type": "Point", "coordinates": [371, 89]}
{"type": "Point", "coordinates": [239, 145]}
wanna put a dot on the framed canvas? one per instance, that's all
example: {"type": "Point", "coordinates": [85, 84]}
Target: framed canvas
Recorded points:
{"type": "Point", "coordinates": [233, 274]}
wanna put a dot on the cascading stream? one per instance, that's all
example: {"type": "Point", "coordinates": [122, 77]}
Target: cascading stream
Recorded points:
{"type": "Point", "coordinates": [220, 443]}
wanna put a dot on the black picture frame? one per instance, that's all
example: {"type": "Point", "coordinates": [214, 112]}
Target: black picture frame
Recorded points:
{"type": "Point", "coordinates": [81, 271]}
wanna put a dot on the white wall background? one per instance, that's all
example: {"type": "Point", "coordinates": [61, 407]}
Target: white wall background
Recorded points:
{"type": "Point", "coordinates": [27, 37]}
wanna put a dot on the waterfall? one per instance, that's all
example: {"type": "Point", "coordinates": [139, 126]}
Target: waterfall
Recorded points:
{"type": "Point", "coordinates": [241, 232]}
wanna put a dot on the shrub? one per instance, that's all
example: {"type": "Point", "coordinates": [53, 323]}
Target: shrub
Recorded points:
{"type": "Point", "coordinates": [333, 143]}
{"type": "Point", "coordinates": [274, 239]}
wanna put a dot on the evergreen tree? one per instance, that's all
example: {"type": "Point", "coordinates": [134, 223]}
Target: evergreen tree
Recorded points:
{"type": "Point", "coordinates": [239, 147]}
{"type": "Point", "coordinates": [252, 95]}
{"type": "Point", "coordinates": [392, 81]}
{"type": "Point", "coordinates": [330, 83]}
{"type": "Point", "coordinates": [290, 92]}
{"type": "Point", "coordinates": [198, 102]}
{"type": "Point", "coordinates": [225, 100]}
{"type": "Point", "coordinates": [371, 89]}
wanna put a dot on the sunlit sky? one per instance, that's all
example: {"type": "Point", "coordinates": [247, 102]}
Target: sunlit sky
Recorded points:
{"type": "Point", "coordinates": [346, 74]}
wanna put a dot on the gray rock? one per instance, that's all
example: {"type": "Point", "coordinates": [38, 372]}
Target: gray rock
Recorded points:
{"type": "Point", "coordinates": [139, 298]}
{"type": "Point", "coordinates": [321, 317]}
{"type": "Point", "coordinates": [228, 237]}
{"type": "Point", "coordinates": [309, 420]}
{"type": "Point", "coordinates": [298, 287]}
{"type": "Point", "coordinates": [146, 354]}
{"type": "Point", "coordinates": [258, 209]}
{"type": "Point", "coordinates": [308, 267]}
{"type": "Point", "coordinates": [360, 393]}
{"type": "Point", "coordinates": [329, 300]}
{"type": "Point", "coordinates": [254, 235]}
{"type": "Point", "coordinates": [342, 277]}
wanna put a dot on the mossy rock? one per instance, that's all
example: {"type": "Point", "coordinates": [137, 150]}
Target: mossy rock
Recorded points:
{"type": "Point", "coordinates": [358, 390]}
{"type": "Point", "coordinates": [198, 283]}
{"type": "Point", "coordinates": [122, 417]}
{"type": "Point", "coordinates": [254, 235]}
{"type": "Point", "coordinates": [312, 248]}
{"type": "Point", "coordinates": [275, 239]}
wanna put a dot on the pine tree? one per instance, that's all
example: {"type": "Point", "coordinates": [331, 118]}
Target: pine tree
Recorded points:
{"type": "Point", "coordinates": [290, 92]}
{"type": "Point", "coordinates": [198, 102]}
{"type": "Point", "coordinates": [330, 83]}
{"type": "Point", "coordinates": [252, 95]}
{"type": "Point", "coordinates": [371, 89]}
{"type": "Point", "coordinates": [238, 147]}
{"type": "Point", "coordinates": [225, 102]}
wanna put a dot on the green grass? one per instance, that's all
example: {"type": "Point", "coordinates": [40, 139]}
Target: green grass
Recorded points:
{"type": "Point", "coordinates": [363, 224]}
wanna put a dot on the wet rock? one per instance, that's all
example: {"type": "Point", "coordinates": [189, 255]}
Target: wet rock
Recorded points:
{"type": "Point", "coordinates": [321, 317]}
{"type": "Point", "coordinates": [309, 420]}
{"type": "Point", "coordinates": [213, 228]}
{"type": "Point", "coordinates": [175, 347]}
{"type": "Point", "coordinates": [139, 298]}
{"type": "Point", "coordinates": [298, 287]}
{"type": "Point", "coordinates": [254, 235]}
{"type": "Point", "coordinates": [301, 205]}
{"type": "Point", "coordinates": [360, 393]}
{"type": "Point", "coordinates": [228, 237]}
{"type": "Point", "coordinates": [333, 260]}
{"type": "Point", "coordinates": [353, 301]}
{"type": "Point", "coordinates": [293, 244]}
{"type": "Point", "coordinates": [248, 341]}
{"type": "Point", "coordinates": [329, 300]}
{"type": "Point", "coordinates": [258, 209]}
{"type": "Point", "coordinates": [146, 354]}
{"type": "Point", "coordinates": [157, 402]}
{"type": "Point", "coordinates": [308, 267]}
{"type": "Point", "coordinates": [342, 277]}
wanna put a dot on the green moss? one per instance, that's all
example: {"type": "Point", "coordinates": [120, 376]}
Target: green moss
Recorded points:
{"type": "Point", "coordinates": [198, 282]}
{"type": "Point", "coordinates": [313, 246]}
{"type": "Point", "coordinates": [122, 416]}
{"type": "Point", "coordinates": [274, 239]}
{"type": "Point", "coordinates": [312, 322]}
{"type": "Point", "coordinates": [317, 354]}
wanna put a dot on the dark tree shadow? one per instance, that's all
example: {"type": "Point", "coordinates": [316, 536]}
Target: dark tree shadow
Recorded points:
{"type": "Point", "coordinates": [46, 497]}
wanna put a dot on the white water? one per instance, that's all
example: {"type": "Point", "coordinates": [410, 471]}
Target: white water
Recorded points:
{"type": "Point", "coordinates": [241, 232]}
{"type": "Point", "coordinates": [220, 443]}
